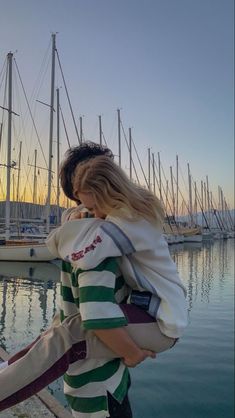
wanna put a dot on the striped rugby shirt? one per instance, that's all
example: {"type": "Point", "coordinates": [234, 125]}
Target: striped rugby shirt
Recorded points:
{"type": "Point", "coordinates": [95, 294]}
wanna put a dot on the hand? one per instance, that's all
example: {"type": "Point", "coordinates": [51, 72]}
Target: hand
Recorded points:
{"type": "Point", "coordinates": [143, 354]}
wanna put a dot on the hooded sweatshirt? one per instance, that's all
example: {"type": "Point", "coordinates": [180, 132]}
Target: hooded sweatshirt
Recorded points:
{"type": "Point", "coordinates": [143, 257]}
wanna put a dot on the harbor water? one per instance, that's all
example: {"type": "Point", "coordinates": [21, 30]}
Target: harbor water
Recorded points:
{"type": "Point", "coordinates": [195, 379]}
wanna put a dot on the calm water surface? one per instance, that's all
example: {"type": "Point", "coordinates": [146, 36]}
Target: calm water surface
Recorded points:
{"type": "Point", "coordinates": [195, 379]}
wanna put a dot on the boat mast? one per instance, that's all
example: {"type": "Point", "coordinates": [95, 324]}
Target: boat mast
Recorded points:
{"type": "Point", "coordinates": [172, 192]}
{"type": "Point", "coordinates": [119, 137]}
{"type": "Point", "coordinates": [100, 129]}
{"type": "Point", "coordinates": [18, 177]}
{"type": "Point", "coordinates": [130, 152]}
{"type": "Point", "coordinates": [208, 200]}
{"type": "Point", "coordinates": [51, 134]}
{"type": "Point", "coordinates": [160, 177]}
{"type": "Point", "coordinates": [1, 125]}
{"type": "Point", "coordinates": [81, 128]}
{"type": "Point", "coordinates": [177, 186]}
{"type": "Point", "coordinates": [149, 170]}
{"type": "Point", "coordinates": [35, 177]}
{"type": "Point", "coordinates": [58, 156]}
{"type": "Point", "coordinates": [8, 193]}
{"type": "Point", "coordinates": [154, 179]}
{"type": "Point", "coordinates": [190, 197]}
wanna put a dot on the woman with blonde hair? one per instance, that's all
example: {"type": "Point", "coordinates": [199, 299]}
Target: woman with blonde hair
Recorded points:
{"type": "Point", "coordinates": [114, 193]}
{"type": "Point", "coordinates": [133, 231]}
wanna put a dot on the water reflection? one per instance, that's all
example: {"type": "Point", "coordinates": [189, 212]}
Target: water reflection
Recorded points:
{"type": "Point", "coordinates": [202, 266]}
{"type": "Point", "coordinates": [28, 300]}
{"type": "Point", "coordinates": [29, 292]}
{"type": "Point", "coordinates": [195, 377]}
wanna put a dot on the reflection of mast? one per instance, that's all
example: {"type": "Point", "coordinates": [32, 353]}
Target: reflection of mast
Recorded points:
{"type": "Point", "coordinates": [54, 304]}
{"type": "Point", "coordinates": [222, 259]}
{"type": "Point", "coordinates": [30, 299]}
{"type": "Point", "coordinates": [190, 282]}
{"type": "Point", "coordinates": [207, 272]}
{"type": "Point", "coordinates": [43, 302]}
{"type": "Point", "coordinates": [13, 304]}
{"type": "Point", "coordinates": [3, 314]}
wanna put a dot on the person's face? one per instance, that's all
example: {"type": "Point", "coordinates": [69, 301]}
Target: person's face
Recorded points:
{"type": "Point", "coordinates": [88, 201]}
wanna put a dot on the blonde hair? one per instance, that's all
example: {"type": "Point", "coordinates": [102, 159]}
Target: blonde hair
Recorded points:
{"type": "Point", "coordinates": [113, 191]}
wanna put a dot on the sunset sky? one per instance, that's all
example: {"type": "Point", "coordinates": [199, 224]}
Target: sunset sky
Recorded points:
{"type": "Point", "coordinates": [167, 64]}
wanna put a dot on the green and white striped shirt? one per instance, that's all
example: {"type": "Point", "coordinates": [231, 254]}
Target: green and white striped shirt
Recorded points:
{"type": "Point", "coordinates": [95, 294]}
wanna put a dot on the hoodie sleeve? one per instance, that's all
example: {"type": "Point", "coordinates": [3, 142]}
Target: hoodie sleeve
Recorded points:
{"type": "Point", "coordinates": [84, 243]}
{"type": "Point", "coordinates": [87, 242]}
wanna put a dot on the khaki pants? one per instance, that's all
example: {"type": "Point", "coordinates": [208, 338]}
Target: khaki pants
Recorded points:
{"type": "Point", "coordinates": [50, 355]}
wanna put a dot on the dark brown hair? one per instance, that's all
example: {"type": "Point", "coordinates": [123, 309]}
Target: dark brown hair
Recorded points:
{"type": "Point", "coordinates": [75, 156]}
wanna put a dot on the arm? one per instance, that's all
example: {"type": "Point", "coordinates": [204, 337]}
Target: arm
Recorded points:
{"type": "Point", "coordinates": [121, 344]}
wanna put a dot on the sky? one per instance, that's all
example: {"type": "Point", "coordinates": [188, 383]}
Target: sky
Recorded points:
{"type": "Point", "coordinates": [167, 64]}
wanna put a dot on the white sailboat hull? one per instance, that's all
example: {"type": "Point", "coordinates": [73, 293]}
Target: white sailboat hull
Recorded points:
{"type": "Point", "coordinates": [25, 252]}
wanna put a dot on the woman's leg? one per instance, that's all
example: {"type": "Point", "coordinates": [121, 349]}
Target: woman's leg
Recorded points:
{"type": "Point", "coordinates": [40, 363]}
{"type": "Point", "coordinates": [49, 356]}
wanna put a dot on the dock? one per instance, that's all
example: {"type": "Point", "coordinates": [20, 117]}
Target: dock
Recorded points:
{"type": "Point", "coordinates": [41, 405]}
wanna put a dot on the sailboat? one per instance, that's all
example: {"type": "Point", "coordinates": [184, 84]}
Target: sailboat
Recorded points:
{"type": "Point", "coordinates": [23, 249]}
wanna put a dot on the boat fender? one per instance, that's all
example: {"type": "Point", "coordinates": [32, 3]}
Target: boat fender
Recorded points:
{"type": "Point", "coordinates": [31, 252]}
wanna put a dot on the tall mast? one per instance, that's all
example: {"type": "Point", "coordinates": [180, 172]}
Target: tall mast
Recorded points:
{"type": "Point", "coordinates": [119, 138]}
{"type": "Point", "coordinates": [81, 129]}
{"type": "Point", "coordinates": [35, 177]}
{"type": "Point", "coordinates": [51, 134]}
{"type": "Point", "coordinates": [172, 191]}
{"type": "Point", "coordinates": [0, 135]}
{"type": "Point", "coordinates": [154, 179]}
{"type": "Point", "coordinates": [160, 177]}
{"type": "Point", "coordinates": [190, 197]}
{"type": "Point", "coordinates": [149, 169]}
{"type": "Point", "coordinates": [8, 193]}
{"type": "Point", "coordinates": [58, 155]}
{"type": "Point", "coordinates": [100, 129]}
{"type": "Point", "coordinates": [202, 199]}
{"type": "Point", "coordinates": [177, 186]}
{"type": "Point", "coordinates": [130, 152]}
{"type": "Point", "coordinates": [195, 202]}
{"type": "Point", "coordinates": [208, 200]}
{"type": "Point", "coordinates": [18, 177]}
{"type": "Point", "coordinates": [166, 205]}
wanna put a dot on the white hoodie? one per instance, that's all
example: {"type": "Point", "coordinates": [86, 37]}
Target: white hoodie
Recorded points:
{"type": "Point", "coordinates": [145, 261]}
